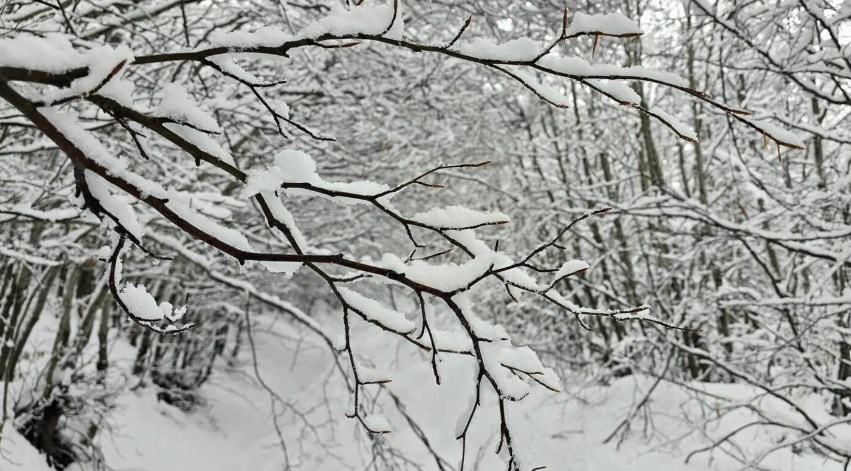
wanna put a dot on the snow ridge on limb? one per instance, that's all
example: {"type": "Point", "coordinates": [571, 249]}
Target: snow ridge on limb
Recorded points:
{"type": "Point", "coordinates": [138, 303]}
{"type": "Point", "coordinates": [459, 218]}
{"type": "Point", "coordinates": [374, 312]}
{"type": "Point", "coordinates": [295, 172]}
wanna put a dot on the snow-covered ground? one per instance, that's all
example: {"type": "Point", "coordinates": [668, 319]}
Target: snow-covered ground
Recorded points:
{"type": "Point", "coordinates": [17, 454]}
{"type": "Point", "coordinates": [234, 429]}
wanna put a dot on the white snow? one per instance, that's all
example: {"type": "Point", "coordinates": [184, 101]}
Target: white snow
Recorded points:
{"type": "Point", "coordinates": [228, 65]}
{"type": "Point", "coordinates": [18, 454]}
{"type": "Point", "coordinates": [368, 375]}
{"type": "Point", "coordinates": [546, 91]}
{"type": "Point", "coordinates": [550, 379]}
{"type": "Point", "coordinates": [482, 329]}
{"type": "Point", "coordinates": [618, 91]}
{"type": "Point", "coordinates": [202, 141]}
{"type": "Point", "coordinates": [280, 212]}
{"type": "Point", "coordinates": [461, 424]}
{"type": "Point", "coordinates": [446, 277]}
{"type": "Point", "coordinates": [377, 423]}
{"type": "Point", "coordinates": [521, 358]}
{"type": "Point", "coordinates": [479, 249]}
{"type": "Point", "coordinates": [180, 203]}
{"type": "Point", "coordinates": [451, 340]}
{"type": "Point", "coordinates": [67, 124]}
{"type": "Point", "coordinates": [365, 19]}
{"type": "Point", "coordinates": [776, 132]}
{"type": "Point", "coordinates": [140, 303]}
{"type": "Point", "coordinates": [50, 215]}
{"type": "Point", "coordinates": [115, 203]}
{"type": "Point", "coordinates": [266, 36]}
{"type": "Point", "coordinates": [515, 50]}
{"type": "Point", "coordinates": [177, 104]}
{"type": "Point", "coordinates": [120, 90]}
{"type": "Point", "coordinates": [53, 53]}
{"type": "Point", "coordinates": [373, 311]}
{"type": "Point", "coordinates": [295, 166]}
{"type": "Point", "coordinates": [579, 67]}
{"type": "Point", "coordinates": [610, 24]}
{"type": "Point", "coordinates": [510, 385]}
{"type": "Point", "coordinates": [458, 217]}
{"type": "Point", "coordinates": [100, 61]}
{"type": "Point", "coordinates": [171, 313]}
{"type": "Point", "coordinates": [233, 429]}
{"type": "Point", "coordinates": [679, 126]}
{"type": "Point", "coordinates": [226, 234]}
{"type": "Point", "coordinates": [471, 242]}
{"type": "Point", "coordinates": [285, 268]}
{"type": "Point", "coordinates": [569, 268]}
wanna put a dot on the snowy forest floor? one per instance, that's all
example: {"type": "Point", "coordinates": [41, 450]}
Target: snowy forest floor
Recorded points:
{"type": "Point", "coordinates": [232, 428]}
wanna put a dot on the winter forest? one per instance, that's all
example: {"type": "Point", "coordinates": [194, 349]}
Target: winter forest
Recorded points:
{"type": "Point", "coordinates": [450, 235]}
